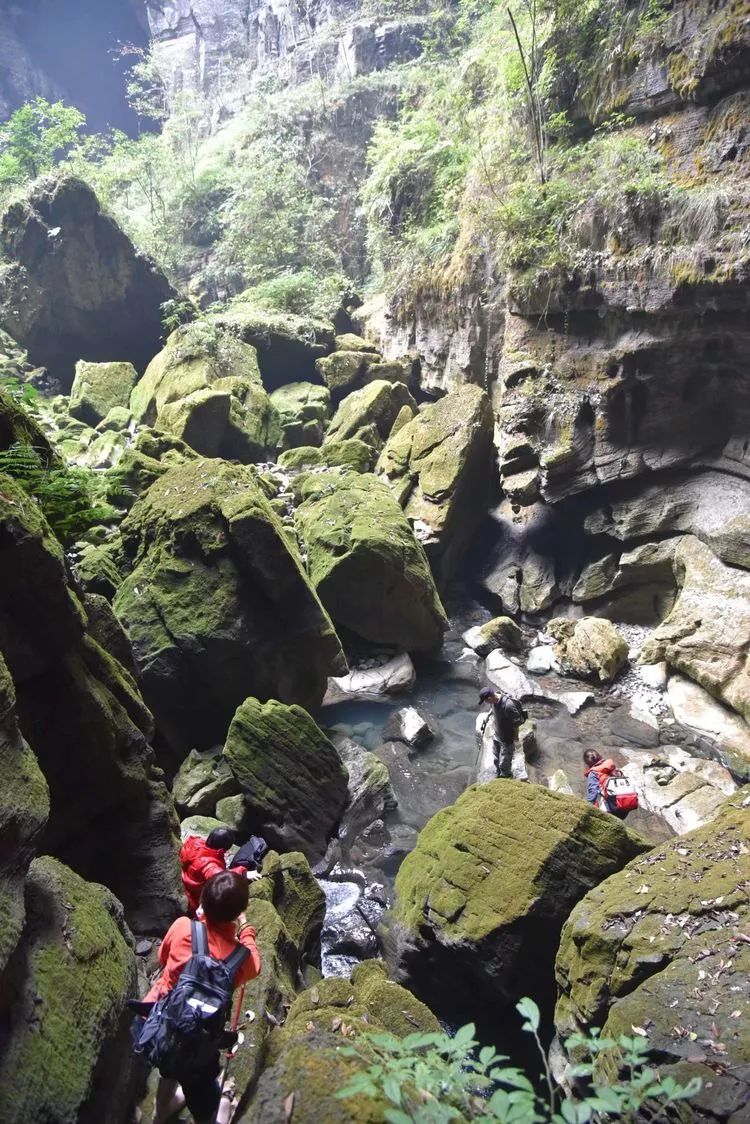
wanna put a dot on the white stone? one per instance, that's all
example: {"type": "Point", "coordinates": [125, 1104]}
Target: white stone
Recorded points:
{"type": "Point", "coordinates": [509, 677]}
{"type": "Point", "coordinates": [542, 659]}
{"type": "Point", "coordinates": [690, 799]}
{"type": "Point", "coordinates": [391, 678]}
{"type": "Point", "coordinates": [641, 713]}
{"type": "Point", "coordinates": [408, 725]}
{"type": "Point", "coordinates": [694, 707]}
{"type": "Point", "coordinates": [654, 675]}
{"type": "Point", "coordinates": [573, 701]}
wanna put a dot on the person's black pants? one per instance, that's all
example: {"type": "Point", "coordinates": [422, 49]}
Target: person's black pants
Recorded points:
{"type": "Point", "coordinates": [201, 1089]}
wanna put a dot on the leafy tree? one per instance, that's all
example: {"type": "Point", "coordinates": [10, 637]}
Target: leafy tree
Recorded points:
{"type": "Point", "coordinates": [436, 1078]}
{"type": "Point", "coordinates": [35, 137]}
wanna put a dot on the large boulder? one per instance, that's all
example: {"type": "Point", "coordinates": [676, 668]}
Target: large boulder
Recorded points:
{"type": "Point", "coordinates": [369, 570]}
{"type": "Point", "coordinates": [481, 900]}
{"type": "Point", "coordinates": [368, 414]}
{"type": "Point", "coordinates": [205, 388]}
{"type": "Point", "coordinates": [440, 468]}
{"type": "Point", "coordinates": [351, 454]}
{"type": "Point", "coordinates": [590, 648]}
{"type": "Point", "coordinates": [293, 780]}
{"type": "Point", "coordinates": [707, 634]}
{"type": "Point", "coordinates": [65, 1053]}
{"type": "Point", "coordinates": [663, 946]}
{"type": "Point", "coordinates": [81, 712]}
{"type": "Point", "coordinates": [218, 606]}
{"type": "Point", "coordinates": [695, 708]}
{"type": "Point", "coordinates": [286, 343]}
{"type": "Point", "coordinates": [303, 410]}
{"type": "Point", "coordinates": [75, 287]}
{"type": "Point", "coordinates": [99, 388]}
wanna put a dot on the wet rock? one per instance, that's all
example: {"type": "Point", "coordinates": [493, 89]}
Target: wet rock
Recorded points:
{"type": "Point", "coordinates": [205, 388]}
{"type": "Point", "coordinates": [666, 934]}
{"type": "Point", "coordinates": [590, 648]}
{"type": "Point", "coordinates": [707, 634]}
{"type": "Point", "coordinates": [304, 410]}
{"type": "Point", "coordinates": [369, 792]}
{"type": "Point", "coordinates": [408, 725]}
{"type": "Point", "coordinates": [488, 888]}
{"type": "Point", "coordinates": [694, 707]}
{"type": "Point", "coordinates": [218, 606]}
{"type": "Point", "coordinates": [294, 783]}
{"type": "Point", "coordinates": [368, 414]}
{"type": "Point", "coordinates": [365, 563]}
{"type": "Point", "coordinates": [75, 287]}
{"type": "Point", "coordinates": [394, 677]}
{"type": "Point", "coordinates": [66, 992]}
{"type": "Point", "coordinates": [99, 388]}
{"type": "Point", "coordinates": [500, 632]}
{"type": "Point", "coordinates": [440, 468]}
{"type": "Point", "coordinates": [202, 781]}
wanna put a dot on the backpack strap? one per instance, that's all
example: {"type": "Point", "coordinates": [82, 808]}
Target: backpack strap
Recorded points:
{"type": "Point", "coordinates": [198, 938]}
{"type": "Point", "coordinates": [236, 959]}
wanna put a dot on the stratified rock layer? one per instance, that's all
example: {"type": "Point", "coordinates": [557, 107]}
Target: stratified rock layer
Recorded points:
{"type": "Point", "coordinates": [218, 607]}
{"type": "Point", "coordinates": [663, 946]}
{"type": "Point", "coordinates": [488, 887]}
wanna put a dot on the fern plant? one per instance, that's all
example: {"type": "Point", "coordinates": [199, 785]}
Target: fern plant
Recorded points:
{"type": "Point", "coordinates": [72, 499]}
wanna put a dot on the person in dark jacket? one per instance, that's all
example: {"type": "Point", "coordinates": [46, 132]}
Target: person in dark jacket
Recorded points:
{"type": "Point", "coordinates": [223, 901]}
{"type": "Point", "coordinates": [507, 716]}
{"type": "Point", "coordinates": [597, 772]}
{"type": "Point", "coordinates": [203, 858]}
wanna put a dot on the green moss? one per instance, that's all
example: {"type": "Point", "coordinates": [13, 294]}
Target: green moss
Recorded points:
{"type": "Point", "coordinates": [77, 971]}
{"type": "Point", "coordinates": [350, 454]}
{"type": "Point", "coordinates": [99, 388]}
{"type": "Point", "coordinates": [368, 414]}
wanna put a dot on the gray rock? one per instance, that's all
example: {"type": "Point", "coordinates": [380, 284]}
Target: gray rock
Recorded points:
{"type": "Point", "coordinates": [394, 677]}
{"type": "Point", "coordinates": [408, 725]}
{"type": "Point", "coordinates": [370, 794]}
{"type": "Point", "coordinates": [201, 781]}
{"type": "Point", "coordinates": [695, 708]}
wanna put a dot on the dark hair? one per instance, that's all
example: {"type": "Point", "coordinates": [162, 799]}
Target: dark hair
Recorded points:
{"type": "Point", "coordinates": [220, 839]}
{"type": "Point", "coordinates": [591, 757]}
{"type": "Point", "coordinates": [225, 896]}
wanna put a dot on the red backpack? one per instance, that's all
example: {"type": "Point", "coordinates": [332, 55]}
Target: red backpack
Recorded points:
{"type": "Point", "coordinates": [618, 793]}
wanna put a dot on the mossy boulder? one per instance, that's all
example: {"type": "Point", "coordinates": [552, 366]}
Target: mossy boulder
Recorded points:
{"type": "Point", "coordinates": [24, 808]}
{"type": "Point", "coordinates": [345, 371]}
{"type": "Point", "coordinates": [294, 783]}
{"type": "Point", "coordinates": [349, 342]}
{"type": "Point", "coordinates": [305, 1056]}
{"type": "Point", "coordinates": [350, 454]}
{"type": "Point", "coordinates": [285, 342]}
{"type": "Point", "coordinates": [481, 900]}
{"type": "Point", "coordinates": [369, 570]}
{"type": "Point", "coordinates": [65, 1027]}
{"type": "Point", "coordinates": [304, 410]}
{"type": "Point", "coordinates": [439, 466]}
{"type": "Point", "coordinates": [663, 945]}
{"type": "Point", "coordinates": [500, 632]}
{"type": "Point", "coordinates": [201, 782]}
{"type": "Point", "coordinates": [368, 414]}
{"type": "Point", "coordinates": [218, 606]}
{"type": "Point", "coordinates": [590, 648]}
{"type": "Point", "coordinates": [99, 388]}
{"type": "Point", "coordinates": [205, 389]}
{"type": "Point", "coordinates": [99, 566]}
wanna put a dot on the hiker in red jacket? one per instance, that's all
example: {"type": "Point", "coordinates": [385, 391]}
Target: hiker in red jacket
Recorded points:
{"type": "Point", "coordinates": [597, 772]}
{"type": "Point", "coordinates": [202, 859]}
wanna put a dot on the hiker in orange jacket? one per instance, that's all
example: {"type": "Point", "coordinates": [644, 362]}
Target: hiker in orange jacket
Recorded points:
{"type": "Point", "coordinates": [597, 772]}
{"type": "Point", "coordinates": [202, 859]}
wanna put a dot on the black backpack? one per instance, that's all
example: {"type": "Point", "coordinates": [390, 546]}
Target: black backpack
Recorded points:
{"type": "Point", "coordinates": [250, 854]}
{"type": "Point", "coordinates": [185, 1028]}
{"type": "Point", "coordinates": [513, 710]}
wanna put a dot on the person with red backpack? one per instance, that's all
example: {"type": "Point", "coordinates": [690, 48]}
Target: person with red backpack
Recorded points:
{"type": "Point", "coordinates": [607, 787]}
{"type": "Point", "coordinates": [185, 1011]}
{"type": "Point", "coordinates": [203, 858]}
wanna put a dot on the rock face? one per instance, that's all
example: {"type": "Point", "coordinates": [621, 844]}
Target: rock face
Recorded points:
{"type": "Point", "coordinates": [439, 466]}
{"type": "Point", "coordinates": [707, 634]}
{"type": "Point", "coordinates": [218, 606]}
{"type": "Point", "coordinates": [83, 717]}
{"type": "Point", "coordinates": [668, 934]}
{"type": "Point", "coordinates": [74, 287]}
{"type": "Point", "coordinates": [65, 1050]}
{"type": "Point", "coordinates": [695, 708]}
{"type": "Point", "coordinates": [488, 887]}
{"type": "Point", "coordinates": [100, 387]}
{"type": "Point", "coordinates": [293, 780]}
{"type": "Point", "coordinates": [369, 571]}
{"type": "Point", "coordinates": [205, 389]}
{"type": "Point", "coordinates": [590, 648]}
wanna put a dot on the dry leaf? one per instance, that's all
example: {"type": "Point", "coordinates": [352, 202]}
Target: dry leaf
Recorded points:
{"type": "Point", "coordinates": [639, 1030]}
{"type": "Point", "coordinates": [288, 1108]}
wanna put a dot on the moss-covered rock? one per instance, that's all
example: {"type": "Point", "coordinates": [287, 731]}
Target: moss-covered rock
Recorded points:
{"type": "Point", "coordinates": [350, 454]}
{"type": "Point", "coordinates": [369, 570]}
{"type": "Point", "coordinates": [24, 808]}
{"type": "Point", "coordinates": [64, 995]}
{"type": "Point", "coordinates": [589, 648]}
{"type": "Point", "coordinates": [99, 566]}
{"type": "Point", "coordinates": [348, 341]}
{"type": "Point", "coordinates": [202, 782]}
{"type": "Point", "coordinates": [500, 632]}
{"type": "Point", "coordinates": [345, 371]}
{"type": "Point", "coordinates": [663, 945]}
{"type": "Point", "coordinates": [205, 389]}
{"type": "Point", "coordinates": [291, 775]}
{"type": "Point", "coordinates": [304, 410]}
{"type": "Point", "coordinates": [100, 387]}
{"type": "Point", "coordinates": [481, 900]}
{"type": "Point", "coordinates": [285, 342]}
{"type": "Point", "coordinates": [218, 606]}
{"type": "Point", "coordinates": [439, 466]}
{"type": "Point", "coordinates": [369, 413]}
